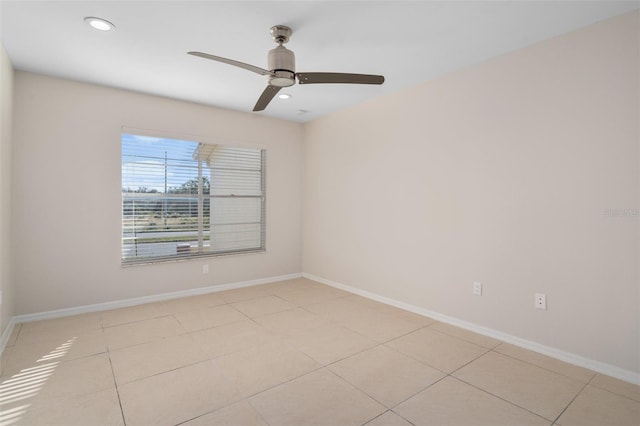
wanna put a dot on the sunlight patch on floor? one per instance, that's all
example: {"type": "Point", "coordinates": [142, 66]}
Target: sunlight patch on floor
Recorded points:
{"type": "Point", "coordinates": [27, 384]}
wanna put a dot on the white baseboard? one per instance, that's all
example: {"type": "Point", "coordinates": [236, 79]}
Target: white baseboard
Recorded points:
{"type": "Point", "coordinates": [6, 334]}
{"type": "Point", "coordinates": [600, 367]}
{"type": "Point", "coordinates": [58, 313]}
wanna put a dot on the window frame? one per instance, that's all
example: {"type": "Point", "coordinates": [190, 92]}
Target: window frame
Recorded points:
{"type": "Point", "coordinates": [126, 261]}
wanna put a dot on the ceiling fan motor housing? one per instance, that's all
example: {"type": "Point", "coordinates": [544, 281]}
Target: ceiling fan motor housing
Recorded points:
{"type": "Point", "coordinates": [282, 63]}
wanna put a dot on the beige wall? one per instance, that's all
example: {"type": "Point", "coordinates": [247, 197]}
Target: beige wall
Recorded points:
{"type": "Point", "coordinates": [68, 203]}
{"type": "Point", "coordinates": [6, 143]}
{"type": "Point", "coordinates": [499, 173]}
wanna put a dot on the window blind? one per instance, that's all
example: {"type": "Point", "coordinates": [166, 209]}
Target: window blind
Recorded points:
{"type": "Point", "coordinates": [184, 199]}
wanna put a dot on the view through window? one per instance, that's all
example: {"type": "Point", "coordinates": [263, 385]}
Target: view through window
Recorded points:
{"type": "Point", "coordinates": [185, 199]}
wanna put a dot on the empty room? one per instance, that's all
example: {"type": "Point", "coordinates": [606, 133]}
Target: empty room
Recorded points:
{"type": "Point", "coordinates": [320, 213]}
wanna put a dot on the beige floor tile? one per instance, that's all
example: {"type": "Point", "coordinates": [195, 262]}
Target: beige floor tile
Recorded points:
{"type": "Point", "coordinates": [597, 407]}
{"type": "Point", "coordinates": [292, 285]}
{"type": "Point", "coordinates": [24, 387]}
{"type": "Point", "coordinates": [98, 408]}
{"type": "Point", "coordinates": [536, 389]}
{"type": "Point", "coordinates": [130, 314]}
{"type": "Point", "coordinates": [617, 386]}
{"type": "Point", "coordinates": [237, 414]}
{"type": "Point", "coordinates": [291, 322]}
{"type": "Point", "coordinates": [80, 376]}
{"type": "Point", "coordinates": [40, 385]}
{"type": "Point", "coordinates": [287, 285]}
{"type": "Point", "coordinates": [247, 293]}
{"type": "Point", "coordinates": [307, 295]}
{"type": "Point", "coordinates": [261, 367]}
{"type": "Point", "coordinates": [318, 398]}
{"type": "Point", "coordinates": [81, 322]}
{"type": "Point", "coordinates": [407, 316]}
{"type": "Point", "coordinates": [133, 333]}
{"type": "Point", "coordinates": [546, 362]}
{"type": "Point", "coordinates": [451, 402]}
{"type": "Point", "coordinates": [56, 335]}
{"type": "Point", "coordinates": [381, 327]}
{"type": "Point", "coordinates": [469, 336]}
{"type": "Point", "coordinates": [386, 375]}
{"type": "Point", "coordinates": [147, 359]}
{"type": "Point", "coordinates": [176, 396]}
{"type": "Point", "coordinates": [388, 309]}
{"type": "Point", "coordinates": [230, 338]}
{"type": "Point", "coordinates": [190, 303]}
{"type": "Point", "coordinates": [263, 306]}
{"type": "Point", "coordinates": [28, 354]}
{"type": "Point", "coordinates": [369, 303]}
{"type": "Point", "coordinates": [338, 310]}
{"type": "Point", "coordinates": [200, 319]}
{"type": "Point", "coordinates": [389, 419]}
{"type": "Point", "coordinates": [439, 350]}
{"type": "Point", "coordinates": [60, 329]}
{"type": "Point", "coordinates": [328, 343]}
{"type": "Point", "coordinates": [196, 360]}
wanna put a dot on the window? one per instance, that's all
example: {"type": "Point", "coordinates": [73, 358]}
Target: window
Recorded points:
{"type": "Point", "coordinates": [183, 199]}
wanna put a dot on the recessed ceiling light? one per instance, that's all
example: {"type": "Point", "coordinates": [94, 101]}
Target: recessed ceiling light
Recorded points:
{"type": "Point", "coordinates": [284, 96]}
{"type": "Point", "coordinates": [99, 23]}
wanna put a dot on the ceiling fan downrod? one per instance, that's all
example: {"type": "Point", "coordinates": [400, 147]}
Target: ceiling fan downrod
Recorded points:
{"type": "Point", "coordinates": [282, 61]}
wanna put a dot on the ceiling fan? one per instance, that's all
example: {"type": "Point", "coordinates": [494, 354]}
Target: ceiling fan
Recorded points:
{"type": "Point", "coordinates": [282, 69]}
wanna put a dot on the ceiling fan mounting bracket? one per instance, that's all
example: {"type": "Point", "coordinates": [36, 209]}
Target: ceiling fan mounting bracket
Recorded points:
{"type": "Point", "coordinates": [281, 33]}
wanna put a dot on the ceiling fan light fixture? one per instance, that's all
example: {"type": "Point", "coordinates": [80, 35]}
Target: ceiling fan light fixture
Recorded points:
{"type": "Point", "coordinates": [282, 79]}
{"type": "Point", "coordinates": [99, 23]}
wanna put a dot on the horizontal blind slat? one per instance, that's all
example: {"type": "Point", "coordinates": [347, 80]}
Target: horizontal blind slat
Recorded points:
{"type": "Point", "coordinates": [163, 214]}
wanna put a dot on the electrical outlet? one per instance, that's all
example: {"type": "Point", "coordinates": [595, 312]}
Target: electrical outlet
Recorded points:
{"type": "Point", "coordinates": [205, 269]}
{"type": "Point", "coordinates": [477, 288]}
{"type": "Point", "coordinates": [541, 301]}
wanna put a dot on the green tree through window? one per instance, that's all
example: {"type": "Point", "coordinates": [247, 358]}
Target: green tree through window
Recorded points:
{"type": "Point", "coordinates": [190, 199]}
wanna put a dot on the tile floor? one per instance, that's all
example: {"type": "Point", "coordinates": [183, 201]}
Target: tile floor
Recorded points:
{"type": "Point", "coordinates": [289, 353]}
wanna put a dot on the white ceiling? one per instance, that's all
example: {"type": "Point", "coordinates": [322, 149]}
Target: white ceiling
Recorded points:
{"type": "Point", "coordinates": [408, 42]}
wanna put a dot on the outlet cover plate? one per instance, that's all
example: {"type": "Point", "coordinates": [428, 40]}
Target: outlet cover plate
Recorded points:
{"type": "Point", "coordinates": [477, 288]}
{"type": "Point", "coordinates": [540, 301]}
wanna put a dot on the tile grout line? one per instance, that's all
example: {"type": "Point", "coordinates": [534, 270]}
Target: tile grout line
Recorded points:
{"type": "Point", "coordinates": [621, 395]}
{"type": "Point", "coordinates": [320, 366]}
{"type": "Point", "coordinates": [435, 322]}
{"type": "Point", "coordinates": [113, 375]}
{"type": "Point", "coordinates": [257, 411]}
{"type": "Point", "coordinates": [501, 398]}
{"type": "Point", "coordinates": [389, 410]}
{"type": "Point", "coordinates": [420, 391]}
{"type": "Point", "coordinates": [491, 393]}
{"type": "Point", "coordinates": [402, 417]}
{"type": "Point", "coordinates": [181, 422]}
{"type": "Point", "coordinates": [544, 368]}
{"type": "Point", "coordinates": [573, 399]}
{"type": "Point", "coordinates": [328, 366]}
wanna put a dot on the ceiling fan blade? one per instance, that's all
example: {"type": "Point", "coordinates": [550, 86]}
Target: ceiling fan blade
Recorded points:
{"type": "Point", "coordinates": [265, 98]}
{"type": "Point", "coordinates": [337, 77]}
{"type": "Point", "coordinates": [252, 68]}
